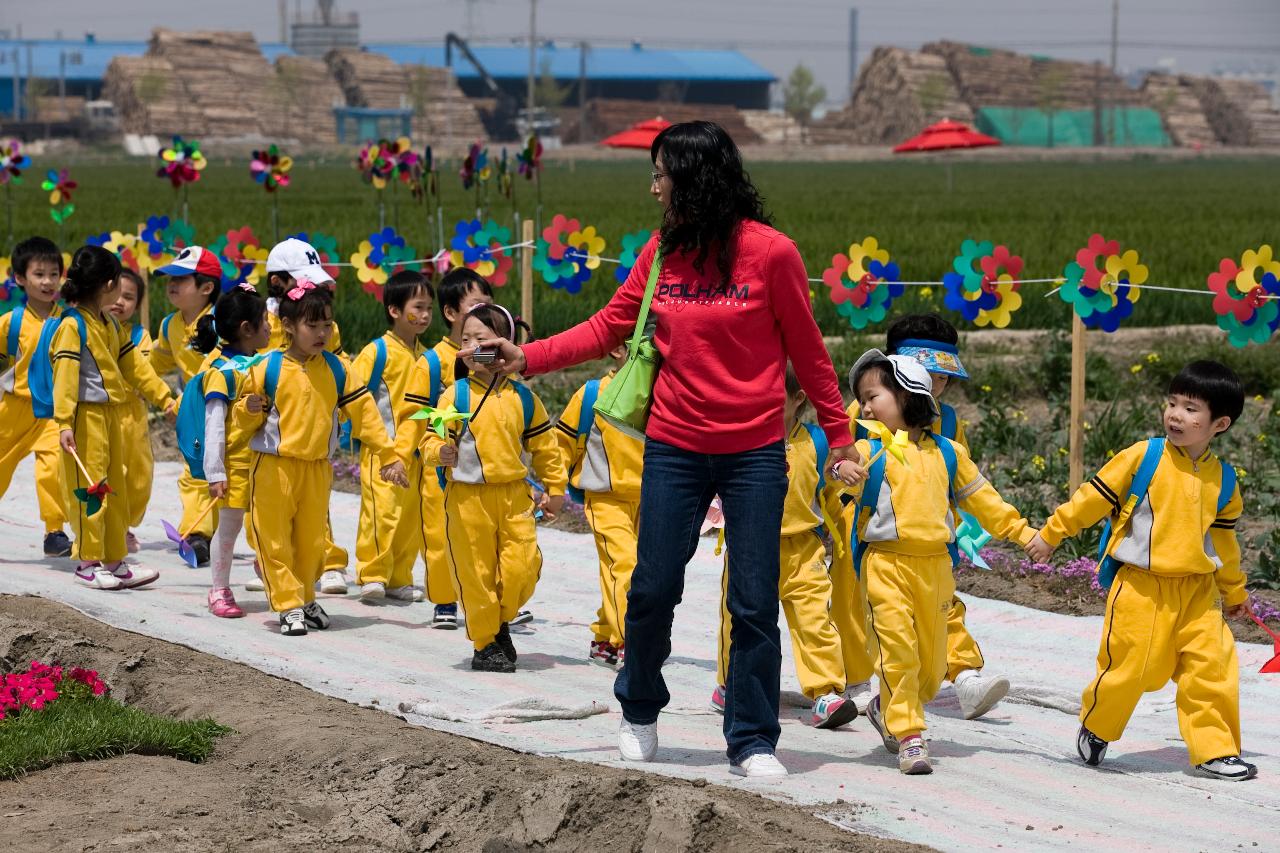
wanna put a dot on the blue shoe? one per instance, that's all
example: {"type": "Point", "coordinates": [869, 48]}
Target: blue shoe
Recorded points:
{"type": "Point", "coordinates": [446, 617]}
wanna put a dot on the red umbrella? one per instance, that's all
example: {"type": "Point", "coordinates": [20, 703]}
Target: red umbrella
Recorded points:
{"type": "Point", "coordinates": [943, 135]}
{"type": "Point", "coordinates": [638, 135]}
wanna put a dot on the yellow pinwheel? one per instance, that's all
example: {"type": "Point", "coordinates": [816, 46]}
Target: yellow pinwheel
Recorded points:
{"type": "Point", "coordinates": [439, 419]}
{"type": "Point", "coordinates": [895, 443]}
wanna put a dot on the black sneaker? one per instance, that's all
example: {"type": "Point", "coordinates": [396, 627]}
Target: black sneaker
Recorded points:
{"type": "Point", "coordinates": [492, 659]}
{"type": "Point", "coordinates": [1092, 748]}
{"type": "Point", "coordinates": [504, 642]}
{"type": "Point", "coordinates": [293, 623]}
{"type": "Point", "coordinates": [57, 544]}
{"type": "Point", "coordinates": [200, 546]}
{"type": "Point", "coordinates": [315, 616]}
{"type": "Point", "coordinates": [1230, 767]}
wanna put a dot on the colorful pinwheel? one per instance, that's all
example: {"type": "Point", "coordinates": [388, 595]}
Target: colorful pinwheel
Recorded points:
{"type": "Point", "coordinates": [983, 283]}
{"type": "Point", "coordinates": [529, 159]}
{"type": "Point", "coordinates": [10, 294]}
{"type": "Point", "coordinates": [376, 163]}
{"type": "Point", "coordinates": [91, 496]}
{"type": "Point", "coordinates": [159, 239]}
{"type": "Point", "coordinates": [1245, 296]}
{"type": "Point", "coordinates": [405, 162]}
{"type": "Point", "coordinates": [480, 246]}
{"type": "Point", "coordinates": [380, 257]}
{"type": "Point", "coordinates": [124, 246]}
{"type": "Point", "coordinates": [893, 443]}
{"type": "Point", "coordinates": [271, 168]}
{"type": "Point", "coordinates": [12, 162]}
{"type": "Point", "coordinates": [58, 184]}
{"type": "Point", "coordinates": [1102, 283]}
{"type": "Point", "coordinates": [475, 168]}
{"type": "Point", "coordinates": [242, 255]}
{"type": "Point", "coordinates": [862, 284]}
{"type": "Point", "coordinates": [970, 537]}
{"type": "Point", "coordinates": [439, 419]}
{"type": "Point", "coordinates": [567, 253]}
{"type": "Point", "coordinates": [632, 244]}
{"type": "Point", "coordinates": [182, 162]}
{"type": "Point", "coordinates": [326, 247]}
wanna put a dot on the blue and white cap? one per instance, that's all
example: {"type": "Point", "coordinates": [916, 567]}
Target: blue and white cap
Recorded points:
{"type": "Point", "coordinates": [936, 356]}
{"type": "Point", "coordinates": [907, 372]}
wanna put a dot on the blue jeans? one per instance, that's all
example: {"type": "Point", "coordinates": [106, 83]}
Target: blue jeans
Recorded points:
{"type": "Point", "coordinates": [677, 489]}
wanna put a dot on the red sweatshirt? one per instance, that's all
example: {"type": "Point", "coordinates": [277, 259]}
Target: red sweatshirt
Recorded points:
{"type": "Point", "coordinates": [724, 348]}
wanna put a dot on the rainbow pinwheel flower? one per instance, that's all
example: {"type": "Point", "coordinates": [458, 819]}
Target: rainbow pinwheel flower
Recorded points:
{"type": "Point", "coordinates": [529, 160]}
{"type": "Point", "coordinates": [159, 239]}
{"type": "Point", "coordinates": [862, 284]}
{"type": "Point", "coordinates": [10, 294]}
{"type": "Point", "coordinates": [983, 283]}
{"type": "Point", "coordinates": [126, 247]}
{"type": "Point", "coordinates": [567, 253]}
{"type": "Point", "coordinates": [475, 168]}
{"type": "Point", "coordinates": [380, 257]}
{"type": "Point", "coordinates": [243, 257]}
{"type": "Point", "coordinates": [182, 162]}
{"type": "Point", "coordinates": [325, 246]}
{"type": "Point", "coordinates": [1245, 296]}
{"type": "Point", "coordinates": [271, 168]}
{"type": "Point", "coordinates": [376, 163]}
{"type": "Point", "coordinates": [478, 246]}
{"type": "Point", "coordinates": [12, 162]}
{"type": "Point", "coordinates": [405, 162]}
{"type": "Point", "coordinates": [439, 419]}
{"type": "Point", "coordinates": [1101, 284]}
{"type": "Point", "coordinates": [632, 245]}
{"type": "Point", "coordinates": [58, 184]}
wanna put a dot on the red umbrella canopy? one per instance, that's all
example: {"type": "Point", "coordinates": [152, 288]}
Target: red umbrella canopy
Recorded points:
{"type": "Point", "coordinates": [638, 135]}
{"type": "Point", "coordinates": [943, 135]}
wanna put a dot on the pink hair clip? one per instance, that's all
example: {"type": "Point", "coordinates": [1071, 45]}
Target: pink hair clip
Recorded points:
{"type": "Point", "coordinates": [300, 289]}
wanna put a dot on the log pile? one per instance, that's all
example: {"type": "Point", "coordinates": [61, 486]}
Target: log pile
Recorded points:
{"type": "Point", "coordinates": [607, 116]}
{"type": "Point", "coordinates": [150, 98]}
{"type": "Point", "coordinates": [308, 93]}
{"type": "Point", "coordinates": [1253, 121]}
{"type": "Point", "coordinates": [1180, 109]}
{"type": "Point", "coordinates": [225, 74]}
{"type": "Point", "coordinates": [897, 94]}
{"type": "Point", "coordinates": [774, 127]}
{"type": "Point", "coordinates": [440, 110]}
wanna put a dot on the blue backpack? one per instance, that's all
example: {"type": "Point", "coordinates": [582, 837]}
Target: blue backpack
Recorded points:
{"type": "Point", "coordinates": [190, 424]}
{"type": "Point", "coordinates": [1138, 488]}
{"type": "Point", "coordinates": [586, 420]}
{"type": "Point", "coordinates": [462, 402]}
{"type": "Point", "coordinates": [136, 333]}
{"type": "Point", "coordinates": [272, 378]}
{"type": "Point", "coordinates": [40, 374]}
{"type": "Point", "coordinates": [14, 341]}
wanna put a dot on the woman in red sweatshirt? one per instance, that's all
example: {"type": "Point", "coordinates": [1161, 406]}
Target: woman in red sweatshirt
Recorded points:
{"type": "Point", "coordinates": [732, 307]}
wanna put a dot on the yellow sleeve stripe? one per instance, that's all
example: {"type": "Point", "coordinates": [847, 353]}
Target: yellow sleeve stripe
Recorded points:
{"type": "Point", "coordinates": [1105, 491]}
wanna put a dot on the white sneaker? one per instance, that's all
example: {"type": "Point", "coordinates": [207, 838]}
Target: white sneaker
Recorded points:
{"type": "Point", "coordinates": [978, 693]}
{"type": "Point", "coordinates": [333, 583]}
{"type": "Point", "coordinates": [372, 591]}
{"type": "Point", "coordinates": [406, 593]}
{"type": "Point", "coordinates": [913, 757]}
{"type": "Point", "coordinates": [860, 695]}
{"type": "Point", "coordinates": [1230, 767]}
{"type": "Point", "coordinates": [832, 711]}
{"type": "Point", "coordinates": [762, 765]}
{"type": "Point", "coordinates": [131, 577]}
{"type": "Point", "coordinates": [255, 585]}
{"type": "Point", "coordinates": [637, 742]}
{"type": "Point", "coordinates": [97, 577]}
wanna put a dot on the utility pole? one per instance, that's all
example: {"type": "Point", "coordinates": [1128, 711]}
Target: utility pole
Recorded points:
{"type": "Point", "coordinates": [533, 58]}
{"type": "Point", "coordinates": [583, 135]}
{"type": "Point", "coordinates": [853, 48]}
{"type": "Point", "coordinates": [1115, 52]}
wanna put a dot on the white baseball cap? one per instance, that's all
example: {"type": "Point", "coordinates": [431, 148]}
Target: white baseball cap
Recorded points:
{"type": "Point", "coordinates": [907, 372]}
{"type": "Point", "coordinates": [299, 259]}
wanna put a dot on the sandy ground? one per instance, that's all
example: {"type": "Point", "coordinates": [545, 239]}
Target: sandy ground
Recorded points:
{"type": "Point", "coordinates": [1010, 778]}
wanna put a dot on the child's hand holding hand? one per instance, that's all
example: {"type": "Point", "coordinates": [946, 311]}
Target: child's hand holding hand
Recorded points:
{"type": "Point", "coordinates": [171, 410]}
{"type": "Point", "coordinates": [67, 440]}
{"type": "Point", "coordinates": [1241, 611]}
{"type": "Point", "coordinates": [448, 456]}
{"type": "Point", "coordinates": [1038, 549]}
{"type": "Point", "coordinates": [255, 404]}
{"type": "Point", "coordinates": [550, 506]}
{"type": "Point", "coordinates": [395, 473]}
{"type": "Point", "coordinates": [218, 490]}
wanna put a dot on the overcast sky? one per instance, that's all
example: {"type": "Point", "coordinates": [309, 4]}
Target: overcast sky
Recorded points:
{"type": "Point", "coordinates": [1193, 35]}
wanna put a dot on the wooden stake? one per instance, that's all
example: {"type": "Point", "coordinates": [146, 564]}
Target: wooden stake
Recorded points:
{"type": "Point", "coordinates": [526, 272]}
{"type": "Point", "coordinates": [199, 518]}
{"type": "Point", "coordinates": [83, 470]}
{"type": "Point", "coordinates": [1076, 428]}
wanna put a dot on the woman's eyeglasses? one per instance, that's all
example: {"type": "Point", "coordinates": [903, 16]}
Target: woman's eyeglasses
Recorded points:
{"type": "Point", "coordinates": [654, 177]}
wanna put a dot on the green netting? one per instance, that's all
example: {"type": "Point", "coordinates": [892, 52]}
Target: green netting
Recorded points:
{"type": "Point", "coordinates": [1132, 126]}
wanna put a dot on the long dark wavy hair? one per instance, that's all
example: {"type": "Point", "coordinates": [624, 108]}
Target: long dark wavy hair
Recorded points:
{"type": "Point", "coordinates": [710, 193]}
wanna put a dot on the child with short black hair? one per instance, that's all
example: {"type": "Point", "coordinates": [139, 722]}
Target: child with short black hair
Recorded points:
{"type": "Point", "coordinates": [139, 464]}
{"type": "Point", "coordinates": [37, 267]}
{"type": "Point", "coordinates": [1172, 564]}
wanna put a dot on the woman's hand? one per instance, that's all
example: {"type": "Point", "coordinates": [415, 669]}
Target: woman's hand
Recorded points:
{"type": "Point", "coordinates": [510, 357]}
{"type": "Point", "coordinates": [846, 465]}
{"type": "Point", "coordinates": [67, 439]}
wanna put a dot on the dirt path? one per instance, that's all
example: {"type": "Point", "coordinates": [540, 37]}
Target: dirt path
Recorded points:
{"type": "Point", "coordinates": [305, 771]}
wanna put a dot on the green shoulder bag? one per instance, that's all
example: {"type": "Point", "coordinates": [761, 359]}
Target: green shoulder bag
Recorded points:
{"type": "Point", "coordinates": [625, 400]}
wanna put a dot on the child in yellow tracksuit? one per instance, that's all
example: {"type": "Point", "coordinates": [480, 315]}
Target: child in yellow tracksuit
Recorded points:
{"type": "Point", "coordinates": [905, 535]}
{"type": "Point", "coordinates": [390, 536]}
{"type": "Point", "coordinates": [460, 289]}
{"type": "Point", "coordinates": [139, 465]}
{"type": "Point", "coordinates": [289, 262]}
{"type": "Point", "coordinates": [37, 267]}
{"type": "Point", "coordinates": [95, 370]}
{"type": "Point", "coordinates": [195, 282]}
{"type": "Point", "coordinates": [289, 404]}
{"type": "Point", "coordinates": [1172, 564]}
{"type": "Point", "coordinates": [804, 587]}
{"type": "Point", "coordinates": [489, 511]}
{"type": "Point", "coordinates": [605, 465]}
{"type": "Point", "coordinates": [932, 341]}
{"type": "Point", "coordinates": [229, 341]}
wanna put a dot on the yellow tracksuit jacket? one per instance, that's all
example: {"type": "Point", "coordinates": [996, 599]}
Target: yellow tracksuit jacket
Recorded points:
{"type": "Point", "coordinates": [606, 464]}
{"type": "Point", "coordinates": [907, 570]}
{"type": "Point", "coordinates": [226, 446]}
{"type": "Point", "coordinates": [1180, 563]}
{"type": "Point", "coordinates": [418, 393]}
{"type": "Point", "coordinates": [93, 384]}
{"type": "Point", "coordinates": [489, 513]}
{"type": "Point", "coordinates": [390, 535]}
{"type": "Point", "coordinates": [20, 432]}
{"type": "Point", "coordinates": [139, 464]}
{"type": "Point", "coordinates": [289, 470]}
{"type": "Point", "coordinates": [804, 587]}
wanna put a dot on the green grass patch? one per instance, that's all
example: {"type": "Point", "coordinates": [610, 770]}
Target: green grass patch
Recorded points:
{"type": "Point", "coordinates": [84, 728]}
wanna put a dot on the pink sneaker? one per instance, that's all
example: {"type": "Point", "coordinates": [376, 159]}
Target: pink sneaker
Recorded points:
{"type": "Point", "coordinates": [223, 604]}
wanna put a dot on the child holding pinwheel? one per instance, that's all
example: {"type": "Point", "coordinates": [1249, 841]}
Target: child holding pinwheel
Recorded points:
{"type": "Point", "coordinates": [139, 464]}
{"type": "Point", "coordinates": [489, 511]}
{"type": "Point", "coordinates": [229, 342]}
{"type": "Point", "coordinates": [905, 541]}
{"type": "Point", "coordinates": [96, 367]}
{"type": "Point", "coordinates": [390, 535]}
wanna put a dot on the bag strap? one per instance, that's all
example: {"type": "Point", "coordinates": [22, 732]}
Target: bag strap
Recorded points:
{"type": "Point", "coordinates": [272, 377]}
{"type": "Point", "coordinates": [655, 270]}
{"type": "Point", "coordinates": [587, 415]}
{"type": "Point", "coordinates": [821, 450]}
{"type": "Point", "coordinates": [948, 450]}
{"type": "Point", "coordinates": [434, 373]}
{"type": "Point", "coordinates": [339, 372]}
{"type": "Point", "coordinates": [13, 344]}
{"type": "Point", "coordinates": [164, 327]}
{"type": "Point", "coordinates": [870, 495]}
{"type": "Point", "coordinates": [379, 365]}
{"type": "Point", "coordinates": [462, 395]}
{"type": "Point", "coordinates": [1228, 488]}
{"type": "Point", "coordinates": [1138, 488]}
{"type": "Point", "coordinates": [526, 402]}
{"type": "Point", "coordinates": [950, 423]}
{"type": "Point", "coordinates": [136, 333]}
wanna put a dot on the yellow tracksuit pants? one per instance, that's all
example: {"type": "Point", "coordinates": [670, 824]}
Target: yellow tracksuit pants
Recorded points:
{"type": "Point", "coordinates": [493, 553]}
{"type": "Point", "coordinates": [963, 652]}
{"type": "Point", "coordinates": [1158, 628]}
{"type": "Point", "coordinates": [100, 536]}
{"type": "Point", "coordinates": [849, 607]}
{"type": "Point", "coordinates": [614, 523]}
{"type": "Point", "coordinates": [139, 465]}
{"type": "Point", "coordinates": [387, 543]}
{"type": "Point", "coordinates": [908, 602]}
{"type": "Point", "coordinates": [195, 498]}
{"type": "Point", "coordinates": [439, 578]}
{"type": "Point", "coordinates": [335, 557]}
{"type": "Point", "coordinates": [21, 434]}
{"type": "Point", "coordinates": [288, 505]}
{"type": "Point", "coordinates": [804, 591]}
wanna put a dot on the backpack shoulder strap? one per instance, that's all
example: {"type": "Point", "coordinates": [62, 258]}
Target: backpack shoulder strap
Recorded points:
{"type": "Point", "coordinates": [164, 326]}
{"type": "Point", "coordinates": [462, 395]}
{"type": "Point", "coordinates": [587, 415]}
{"type": "Point", "coordinates": [379, 365]}
{"type": "Point", "coordinates": [526, 401]}
{"type": "Point", "coordinates": [271, 379]}
{"type": "Point", "coordinates": [339, 372]}
{"type": "Point", "coordinates": [821, 450]}
{"type": "Point", "coordinates": [136, 333]}
{"type": "Point", "coordinates": [948, 450]}
{"type": "Point", "coordinates": [950, 422]}
{"type": "Point", "coordinates": [12, 345]}
{"type": "Point", "coordinates": [1141, 482]}
{"type": "Point", "coordinates": [870, 495]}
{"type": "Point", "coordinates": [1228, 487]}
{"type": "Point", "coordinates": [436, 375]}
